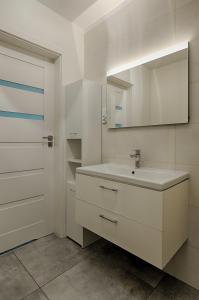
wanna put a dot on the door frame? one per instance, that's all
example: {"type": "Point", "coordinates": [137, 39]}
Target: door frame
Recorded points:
{"type": "Point", "coordinates": [28, 48]}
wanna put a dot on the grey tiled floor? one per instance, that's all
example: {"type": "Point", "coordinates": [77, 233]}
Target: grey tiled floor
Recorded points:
{"type": "Point", "coordinates": [58, 269]}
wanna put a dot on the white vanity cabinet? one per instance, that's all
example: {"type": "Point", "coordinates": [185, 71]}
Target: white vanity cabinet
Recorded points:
{"type": "Point", "coordinates": [148, 223]}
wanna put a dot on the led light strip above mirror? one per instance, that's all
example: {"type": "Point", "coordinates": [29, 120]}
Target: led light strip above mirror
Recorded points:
{"type": "Point", "coordinates": [148, 58]}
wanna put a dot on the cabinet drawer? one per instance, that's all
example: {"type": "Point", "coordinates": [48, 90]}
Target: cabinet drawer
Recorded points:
{"type": "Point", "coordinates": [132, 236]}
{"type": "Point", "coordinates": [142, 241]}
{"type": "Point", "coordinates": [103, 223]}
{"type": "Point", "coordinates": [139, 204]}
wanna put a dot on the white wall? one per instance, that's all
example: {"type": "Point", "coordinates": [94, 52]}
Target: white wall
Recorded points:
{"type": "Point", "coordinates": [36, 23]}
{"type": "Point", "coordinates": [136, 30]}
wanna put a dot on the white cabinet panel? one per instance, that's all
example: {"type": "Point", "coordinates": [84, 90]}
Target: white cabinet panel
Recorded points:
{"type": "Point", "coordinates": [142, 205]}
{"type": "Point", "coordinates": [21, 157]}
{"type": "Point", "coordinates": [74, 98]}
{"type": "Point", "coordinates": [21, 185]}
{"type": "Point", "coordinates": [132, 236]}
{"type": "Point", "coordinates": [90, 189]}
{"type": "Point", "coordinates": [91, 125]}
{"type": "Point", "coordinates": [20, 130]}
{"type": "Point", "coordinates": [17, 100]}
{"type": "Point", "coordinates": [16, 70]}
{"type": "Point", "coordinates": [74, 230]}
{"type": "Point", "coordinates": [141, 240]}
{"type": "Point", "coordinates": [139, 204]}
{"type": "Point", "coordinates": [175, 218]}
{"type": "Point", "coordinates": [89, 216]}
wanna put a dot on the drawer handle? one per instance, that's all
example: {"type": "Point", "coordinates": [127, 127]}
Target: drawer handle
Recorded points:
{"type": "Point", "coordinates": [108, 219]}
{"type": "Point", "coordinates": [106, 188]}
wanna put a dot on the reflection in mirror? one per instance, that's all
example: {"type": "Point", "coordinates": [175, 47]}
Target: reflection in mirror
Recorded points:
{"type": "Point", "coordinates": [154, 93]}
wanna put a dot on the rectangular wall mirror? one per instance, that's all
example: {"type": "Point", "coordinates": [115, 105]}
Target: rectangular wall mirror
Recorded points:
{"type": "Point", "coordinates": [150, 93]}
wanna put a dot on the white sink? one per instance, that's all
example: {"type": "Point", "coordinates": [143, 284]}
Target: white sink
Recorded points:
{"type": "Point", "coordinates": [157, 179]}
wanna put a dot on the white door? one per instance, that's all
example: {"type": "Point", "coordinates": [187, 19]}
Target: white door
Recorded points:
{"type": "Point", "coordinates": [26, 161]}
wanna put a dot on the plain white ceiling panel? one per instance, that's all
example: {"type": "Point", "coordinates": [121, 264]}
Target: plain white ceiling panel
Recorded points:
{"type": "Point", "coordinates": [84, 13]}
{"type": "Point", "coordinates": [98, 12]}
{"type": "Point", "coordinates": [69, 9]}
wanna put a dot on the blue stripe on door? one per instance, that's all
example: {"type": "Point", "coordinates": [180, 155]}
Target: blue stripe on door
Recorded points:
{"type": "Point", "coordinates": [21, 86]}
{"type": "Point", "coordinates": [9, 114]}
{"type": "Point", "coordinates": [118, 125]}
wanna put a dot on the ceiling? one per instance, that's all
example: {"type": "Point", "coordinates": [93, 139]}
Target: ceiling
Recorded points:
{"type": "Point", "coordinates": [70, 9]}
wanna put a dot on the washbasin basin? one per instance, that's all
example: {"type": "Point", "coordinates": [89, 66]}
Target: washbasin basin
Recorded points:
{"type": "Point", "coordinates": [157, 179]}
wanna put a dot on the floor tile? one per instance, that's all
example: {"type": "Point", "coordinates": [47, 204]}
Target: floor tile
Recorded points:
{"type": "Point", "coordinates": [173, 289]}
{"type": "Point", "coordinates": [141, 269]}
{"type": "Point", "coordinates": [49, 257]}
{"type": "Point", "coordinates": [37, 295]}
{"type": "Point", "coordinates": [97, 279]}
{"type": "Point", "coordinates": [15, 282]}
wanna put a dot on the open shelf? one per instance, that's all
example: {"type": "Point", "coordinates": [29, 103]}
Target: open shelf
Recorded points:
{"type": "Point", "coordinates": [73, 138]}
{"type": "Point", "coordinates": [74, 150]}
{"type": "Point", "coordinates": [73, 159]}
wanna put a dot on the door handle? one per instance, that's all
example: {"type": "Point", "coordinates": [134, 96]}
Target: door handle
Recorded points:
{"type": "Point", "coordinates": [49, 139]}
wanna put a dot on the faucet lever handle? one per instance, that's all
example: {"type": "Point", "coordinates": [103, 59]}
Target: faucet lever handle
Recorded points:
{"type": "Point", "coordinates": [135, 152]}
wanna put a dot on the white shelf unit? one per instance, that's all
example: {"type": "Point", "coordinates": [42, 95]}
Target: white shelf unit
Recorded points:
{"type": "Point", "coordinates": [83, 146]}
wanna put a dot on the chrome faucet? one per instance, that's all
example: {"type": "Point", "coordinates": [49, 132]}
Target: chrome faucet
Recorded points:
{"type": "Point", "coordinates": [136, 153]}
